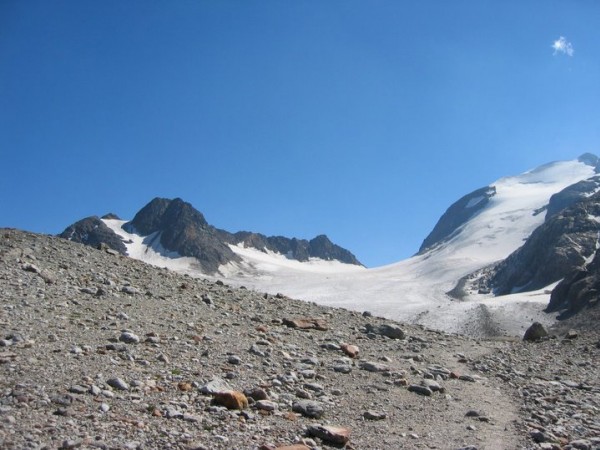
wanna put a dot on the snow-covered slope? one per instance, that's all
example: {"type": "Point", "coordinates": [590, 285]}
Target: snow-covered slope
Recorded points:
{"type": "Point", "coordinates": [414, 289]}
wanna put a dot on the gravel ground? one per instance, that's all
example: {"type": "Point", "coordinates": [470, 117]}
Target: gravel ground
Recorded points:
{"type": "Point", "coordinates": [101, 351]}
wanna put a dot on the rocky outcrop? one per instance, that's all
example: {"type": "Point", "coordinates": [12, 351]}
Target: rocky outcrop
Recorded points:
{"type": "Point", "coordinates": [578, 291]}
{"type": "Point", "coordinates": [558, 247]}
{"type": "Point", "coordinates": [457, 215]}
{"type": "Point", "coordinates": [571, 195]}
{"type": "Point", "coordinates": [93, 232]}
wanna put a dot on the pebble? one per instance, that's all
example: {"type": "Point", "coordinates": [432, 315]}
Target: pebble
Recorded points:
{"type": "Point", "coordinates": [421, 390]}
{"type": "Point", "coordinates": [118, 383]}
{"type": "Point", "coordinates": [129, 338]}
{"type": "Point", "coordinates": [374, 415]}
{"type": "Point", "coordinates": [309, 408]}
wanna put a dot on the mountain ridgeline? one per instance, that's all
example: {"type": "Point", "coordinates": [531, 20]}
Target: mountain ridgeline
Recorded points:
{"type": "Point", "coordinates": [178, 227]}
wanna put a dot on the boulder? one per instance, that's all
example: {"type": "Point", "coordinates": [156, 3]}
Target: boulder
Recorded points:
{"type": "Point", "coordinates": [535, 332]}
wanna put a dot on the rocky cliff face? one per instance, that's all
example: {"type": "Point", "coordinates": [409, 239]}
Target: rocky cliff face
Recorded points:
{"type": "Point", "coordinates": [179, 227]}
{"type": "Point", "coordinates": [578, 291]}
{"type": "Point", "coordinates": [558, 247]}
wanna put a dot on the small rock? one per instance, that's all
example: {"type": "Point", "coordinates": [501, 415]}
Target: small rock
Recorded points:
{"type": "Point", "coordinates": [28, 267]}
{"type": "Point", "coordinates": [214, 386]}
{"type": "Point", "coordinates": [571, 334]}
{"type": "Point", "coordinates": [231, 399]}
{"type": "Point", "coordinates": [307, 324]}
{"type": "Point", "coordinates": [256, 394]}
{"type": "Point", "coordinates": [330, 434]}
{"type": "Point", "coordinates": [373, 366]}
{"type": "Point", "coordinates": [266, 405]}
{"type": "Point", "coordinates": [184, 386]}
{"type": "Point", "coordinates": [421, 390]}
{"type": "Point", "coordinates": [535, 332]}
{"type": "Point", "coordinates": [129, 338]}
{"type": "Point", "coordinates": [77, 389]}
{"type": "Point", "coordinates": [374, 415]}
{"type": "Point", "coordinates": [206, 298]}
{"type": "Point", "coordinates": [391, 331]}
{"type": "Point", "coordinates": [308, 408]}
{"type": "Point", "coordinates": [581, 444]}
{"type": "Point", "coordinates": [350, 350]}
{"type": "Point", "coordinates": [129, 290]}
{"type": "Point", "coordinates": [342, 368]}
{"type": "Point", "coordinates": [117, 383]}
{"type": "Point", "coordinates": [433, 385]}
{"type": "Point", "coordinates": [466, 378]}
{"type": "Point", "coordinates": [233, 359]}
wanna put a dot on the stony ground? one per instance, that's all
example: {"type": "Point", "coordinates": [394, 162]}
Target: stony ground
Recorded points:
{"type": "Point", "coordinates": [101, 351]}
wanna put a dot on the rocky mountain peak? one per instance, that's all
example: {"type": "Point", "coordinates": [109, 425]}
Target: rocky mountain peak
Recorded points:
{"type": "Point", "coordinates": [322, 247]}
{"type": "Point", "coordinates": [161, 214]}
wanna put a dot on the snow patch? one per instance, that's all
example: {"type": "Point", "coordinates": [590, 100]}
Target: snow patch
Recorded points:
{"type": "Point", "coordinates": [149, 250]}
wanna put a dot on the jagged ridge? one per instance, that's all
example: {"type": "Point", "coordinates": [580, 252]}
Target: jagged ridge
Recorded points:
{"type": "Point", "coordinates": [179, 227]}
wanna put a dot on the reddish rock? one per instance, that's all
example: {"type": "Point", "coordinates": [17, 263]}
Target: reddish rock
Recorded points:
{"type": "Point", "coordinates": [231, 399]}
{"type": "Point", "coordinates": [333, 435]}
{"type": "Point", "coordinates": [307, 323]}
{"type": "Point", "coordinates": [184, 386]}
{"type": "Point", "coordinates": [350, 350]}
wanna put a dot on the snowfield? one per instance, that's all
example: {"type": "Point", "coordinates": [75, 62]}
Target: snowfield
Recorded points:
{"type": "Point", "coordinates": [412, 290]}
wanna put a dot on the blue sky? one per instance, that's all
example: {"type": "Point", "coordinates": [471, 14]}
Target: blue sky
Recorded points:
{"type": "Point", "coordinates": [363, 120]}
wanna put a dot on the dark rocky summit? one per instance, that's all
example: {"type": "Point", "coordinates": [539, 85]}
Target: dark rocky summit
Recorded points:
{"type": "Point", "coordinates": [457, 215]}
{"type": "Point", "coordinates": [179, 227]}
{"type": "Point", "coordinates": [176, 226]}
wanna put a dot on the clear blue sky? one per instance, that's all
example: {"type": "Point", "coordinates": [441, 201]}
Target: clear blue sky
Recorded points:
{"type": "Point", "coordinates": [363, 120]}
